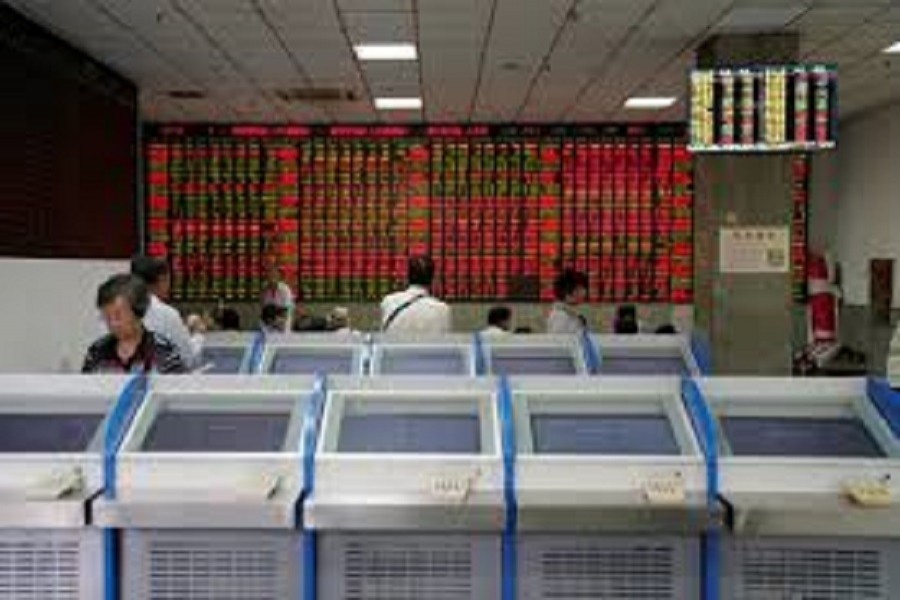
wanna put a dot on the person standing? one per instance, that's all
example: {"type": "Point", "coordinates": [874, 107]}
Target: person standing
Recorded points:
{"type": "Point", "coordinates": [415, 310]}
{"type": "Point", "coordinates": [570, 289]}
{"type": "Point", "coordinates": [161, 317]}
{"type": "Point", "coordinates": [129, 346]}
{"type": "Point", "coordinates": [278, 293]}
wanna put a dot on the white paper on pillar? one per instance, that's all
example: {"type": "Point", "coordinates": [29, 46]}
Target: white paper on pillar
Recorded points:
{"type": "Point", "coordinates": [754, 250]}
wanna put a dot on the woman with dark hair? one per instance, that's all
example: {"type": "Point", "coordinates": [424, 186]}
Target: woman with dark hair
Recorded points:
{"type": "Point", "coordinates": [123, 301]}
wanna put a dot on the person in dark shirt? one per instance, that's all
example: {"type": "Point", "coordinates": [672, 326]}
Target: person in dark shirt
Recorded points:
{"type": "Point", "coordinates": [129, 347]}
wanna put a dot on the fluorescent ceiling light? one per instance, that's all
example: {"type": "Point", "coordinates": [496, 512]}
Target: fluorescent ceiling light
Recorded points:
{"type": "Point", "coordinates": [398, 103]}
{"type": "Point", "coordinates": [386, 52]}
{"type": "Point", "coordinates": [650, 103]}
{"type": "Point", "coordinates": [893, 48]}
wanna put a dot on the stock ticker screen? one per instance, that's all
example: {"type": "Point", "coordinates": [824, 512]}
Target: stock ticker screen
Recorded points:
{"type": "Point", "coordinates": [500, 208]}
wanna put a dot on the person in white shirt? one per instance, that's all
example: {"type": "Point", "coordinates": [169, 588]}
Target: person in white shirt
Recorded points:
{"type": "Point", "coordinates": [570, 290]}
{"type": "Point", "coordinates": [161, 318]}
{"type": "Point", "coordinates": [415, 310]}
{"type": "Point", "coordinates": [339, 321]}
{"type": "Point", "coordinates": [277, 292]}
{"type": "Point", "coordinates": [499, 322]}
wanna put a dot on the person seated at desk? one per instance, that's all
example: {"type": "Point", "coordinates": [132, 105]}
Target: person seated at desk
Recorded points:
{"type": "Point", "coordinates": [626, 322]}
{"type": "Point", "coordinates": [129, 347]}
{"type": "Point", "coordinates": [499, 322]}
{"type": "Point", "coordinates": [415, 310]}
{"type": "Point", "coordinates": [339, 321]}
{"type": "Point", "coordinates": [273, 319]}
{"type": "Point", "coordinates": [570, 289]}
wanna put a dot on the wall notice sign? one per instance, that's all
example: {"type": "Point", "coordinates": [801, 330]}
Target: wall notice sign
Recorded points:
{"type": "Point", "coordinates": [754, 250]}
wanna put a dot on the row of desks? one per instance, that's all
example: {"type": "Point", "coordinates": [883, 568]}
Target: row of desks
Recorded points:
{"type": "Point", "coordinates": [335, 354]}
{"type": "Point", "coordinates": [435, 488]}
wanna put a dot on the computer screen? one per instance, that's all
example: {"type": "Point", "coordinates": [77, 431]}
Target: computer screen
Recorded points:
{"type": "Point", "coordinates": [309, 361]}
{"type": "Point", "coordinates": [548, 363]}
{"type": "Point", "coordinates": [411, 361]}
{"type": "Point", "coordinates": [603, 434]}
{"type": "Point", "coordinates": [221, 360]}
{"type": "Point", "coordinates": [47, 433]}
{"type": "Point", "coordinates": [643, 365]}
{"type": "Point", "coordinates": [406, 433]}
{"type": "Point", "coordinates": [217, 432]}
{"type": "Point", "coordinates": [799, 437]}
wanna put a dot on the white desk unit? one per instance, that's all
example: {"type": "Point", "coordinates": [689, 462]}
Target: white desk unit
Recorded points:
{"type": "Point", "coordinates": [209, 477]}
{"type": "Point", "coordinates": [226, 353]}
{"type": "Point", "coordinates": [51, 466]}
{"type": "Point", "coordinates": [530, 354]}
{"type": "Point", "coordinates": [611, 489]}
{"type": "Point", "coordinates": [425, 355]}
{"type": "Point", "coordinates": [408, 501]}
{"type": "Point", "coordinates": [307, 354]}
{"type": "Point", "coordinates": [812, 473]}
{"type": "Point", "coordinates": [646, 355]}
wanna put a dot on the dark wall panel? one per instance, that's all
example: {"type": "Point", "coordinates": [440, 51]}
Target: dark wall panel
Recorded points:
{"type": "Point", "coordinates": [68, 139]}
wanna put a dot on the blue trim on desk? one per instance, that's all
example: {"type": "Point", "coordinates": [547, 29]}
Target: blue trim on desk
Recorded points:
{"type": "Point", "coordinates": [591, 350]}
{"type": "Point", "coordinates": [312, 417]}
{"type": "Point", "coordinates": [257, 348]}
{"type": "Point", "coordinates": [478, 354]}
{"type": "Point", "coordinates": [705, 428]}
{"type": "Point", "coordinates": [117, 425]}
{"type": "Point", "coordinates": [509, 556]}
{"type": "Point", "coordinates": [702, 356]}
{"type": "Point", "coordinates": [886, 400]}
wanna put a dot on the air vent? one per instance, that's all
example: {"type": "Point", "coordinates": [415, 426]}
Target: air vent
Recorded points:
{"type": "Point", "coordinates": [814, 572]}
{"type": "Point", "coordinates": [38, 567]}
{"type": "Point", "coordinates": [582, 568]}
{"type": "Point", "coordinates": [405, 567]}
{"type": "Point", "coordinates": [199, 565]}
{"type": "Point", "coordinates": [186, 94]}
{"type": "Point", "coordinates": [316, 95]}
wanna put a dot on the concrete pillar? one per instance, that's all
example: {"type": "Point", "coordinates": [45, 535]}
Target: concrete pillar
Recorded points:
{"type": "Point", "coordinates": [748, 318]}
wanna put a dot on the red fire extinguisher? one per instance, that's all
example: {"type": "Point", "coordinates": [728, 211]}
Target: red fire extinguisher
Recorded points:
{"type": "Point", "coordinates": [823, 300]}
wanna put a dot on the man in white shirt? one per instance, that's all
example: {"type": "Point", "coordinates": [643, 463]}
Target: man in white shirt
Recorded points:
{"type": "Point", "coordinates": [570, 290]}
{"type": "Point", "coordinates": [278, 293]}
{"type": "Point", "coordinates": [415, 310]}
{"type": "Point", "coordinates": [162, 318]}
{"type": "Point", "coordinates": [499, 323]}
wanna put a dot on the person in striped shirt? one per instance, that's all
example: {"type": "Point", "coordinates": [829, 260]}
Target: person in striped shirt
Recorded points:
{"type": "Point", "coordinates": [129, 347]}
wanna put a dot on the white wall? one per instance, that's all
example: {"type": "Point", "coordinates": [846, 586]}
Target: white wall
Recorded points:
{"type": "Point", "coordinates": [47, 314]}
{"type": "Point", "coordinates": [855, 209]}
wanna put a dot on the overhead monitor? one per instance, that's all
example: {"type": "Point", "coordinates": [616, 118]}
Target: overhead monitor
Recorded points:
{"type": "Point", "coordinates": [43, 433]}
{"type": "Point", "coordinates": [799, 437]}
{"type": "Point", "coordinates": [211, 431]}
{"type": "Point", "coordinates": [308, 361]}
{"type": "Point", "coordinates": [422, 361]}
{"type": "Point", "coordinates": [410, 433]}
{"type": "Point", "coordinates": [765, 108]}
{"type": "Point", "coordinates": [598, 434]}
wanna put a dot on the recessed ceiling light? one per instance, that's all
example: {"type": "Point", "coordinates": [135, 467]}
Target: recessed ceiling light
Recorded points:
{"type": "Point", "coordinates": [386, 51]}
{"type": "Point", "coordinates": [893, 48]}
{"type": "Point", "coordinates": [650, 103]}
{"type": "Point", "coordinates": [398, 103]}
